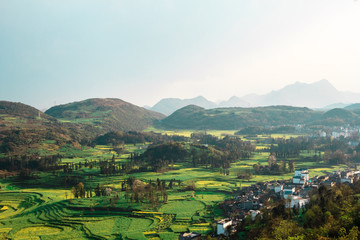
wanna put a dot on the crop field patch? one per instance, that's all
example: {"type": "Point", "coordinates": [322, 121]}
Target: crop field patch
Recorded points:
{"type": "Point", "coordinates": [36, 231]}
{"type": "Point", "coordinates": [183, 208]}
{"type": "Point", "coordinates": [179, 228]}
{"type": "Point", "coordinates": [200, 229]}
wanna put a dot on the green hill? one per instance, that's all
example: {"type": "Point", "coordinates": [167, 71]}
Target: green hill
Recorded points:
{"type": "Point", "coordinates": [194, 117]}
{"type": "Point", "coordinates": [24, 129]}
{"type": "Point", "coordinates": [339, 116]}
{"type": "Point", "coordinates": [106, 114]}
{"type": "Point", "coordinates": [340, 113]}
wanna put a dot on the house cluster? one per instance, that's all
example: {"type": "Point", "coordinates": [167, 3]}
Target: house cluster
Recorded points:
{"type": "Point", "coordinates": [337, 132]}
{"type": "Point", "coordinates": [337, 177]}
{"type": "Point", "coordinates": [251, 199]}
{"type": "Point", "coordinates": [296, 191]}
{"type": "Point", "coordinates": [248, 203]}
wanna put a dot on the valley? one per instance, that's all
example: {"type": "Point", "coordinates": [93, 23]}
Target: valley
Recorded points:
{"type": "Point", "coordinates": [179, 120]}
{"type": "Point", "coordinates": [100, 183]}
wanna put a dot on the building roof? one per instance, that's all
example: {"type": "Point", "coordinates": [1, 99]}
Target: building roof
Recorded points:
{"type": "Point", "coordinates": [223, 221]}
{"type": "Point", "coordinates": [190, 235]}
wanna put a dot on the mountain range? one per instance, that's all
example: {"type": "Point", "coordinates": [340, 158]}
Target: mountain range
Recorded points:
{"type": "Point", "coordinates": [24, 129]}
{"type": "Point", "coordinates": [318, 95]}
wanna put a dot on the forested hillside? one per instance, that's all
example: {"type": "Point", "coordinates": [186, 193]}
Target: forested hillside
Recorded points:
{"type": "Point", "coordinates": [194, 117]}
{"type": "Point", "coordinates": [25, 130]}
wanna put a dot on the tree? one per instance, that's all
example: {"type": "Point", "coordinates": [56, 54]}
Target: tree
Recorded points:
{"type": "Point", "coordinates": [282, 166]}
{"type": "Point", "coordinates": [291, 164]}
{"type": "Point", "coordinates": [80, 190]}
{"type": "Point", "coordinates": [353, 234]}
{"type": "Point", "coordinates": [271, 160]}
{"type": "Point", "coordinates": [74, 192]}
{"type": "Point", "coordinates": [256, 167]}
{"type": "Point", "coordinates": [314, 217]}
{"type": "Point", "coordinates": [286, 229]}
{"type": "Point", "coordinates": [108, 191]}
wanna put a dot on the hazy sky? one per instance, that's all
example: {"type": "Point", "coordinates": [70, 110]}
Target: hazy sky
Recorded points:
{"type": "Point", "coordinates": [60, 51]}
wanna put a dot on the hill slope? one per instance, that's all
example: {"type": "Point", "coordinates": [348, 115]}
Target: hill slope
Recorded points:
{"type": "Point", "coordinates": [355, 106]}
{"type": "Point", "coordinates": [194, 117]}
{"type": "Point", "coordinates": [106, 114]}
{"type": "Point", "coordinates": [339, 116]}
{"type": "Point", "coordinates": [24, 129]}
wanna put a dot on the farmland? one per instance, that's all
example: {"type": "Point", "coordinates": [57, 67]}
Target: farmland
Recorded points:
{"type": "Point", "coordinates": [45, 207]}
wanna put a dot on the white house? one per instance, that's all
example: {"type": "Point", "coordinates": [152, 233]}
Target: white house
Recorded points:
{"type": "Point", "coordinates": [222, 225]}
{"type": "Point", "coordinates": [322, 134]}
{"type": "Point", "coordinates": [347, 176]}
{"type": "Point", "coordinates": [301, 176]}
{"type": "Point", "coordinates": [299, 180]}
{"type": "Point", "coordinates": [347, 180]}
{"type": "Point", "coordinates": [298, 202]}
{"type": "Point", "coordinates": [288, 191]}
{"type": "Point", "coordinates": [278, 188]}
{"type": "Point", "coordinates": [254, 213]}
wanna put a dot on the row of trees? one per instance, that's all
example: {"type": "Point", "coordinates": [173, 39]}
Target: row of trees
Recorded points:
{"type": "Point", "coordinates": [119, 138]}
{"type": "Point", "coordinates": [136, 191]}
{"type": "Point", "coordinates": [274, 167]}
{"type": "Point", "coordinates": [256, 130]}
{"type": "Point", "coordinates": [32, 162]}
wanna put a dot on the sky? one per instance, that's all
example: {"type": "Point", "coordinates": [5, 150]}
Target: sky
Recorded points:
{"type": "Point", "coordinates": [60, 51]}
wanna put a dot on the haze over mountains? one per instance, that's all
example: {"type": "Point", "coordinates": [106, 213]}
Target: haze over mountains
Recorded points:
{"type": "Point", "coordinates": [320, 94]}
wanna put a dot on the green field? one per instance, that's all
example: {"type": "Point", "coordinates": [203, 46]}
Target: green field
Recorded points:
{"type": "Point", "coordinates": [187, 133]}
{"type": "Point", "coordinates": [45, 209]}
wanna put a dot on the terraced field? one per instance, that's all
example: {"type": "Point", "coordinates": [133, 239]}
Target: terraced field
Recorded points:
{"type": "Point", "coordinates": [29, 215]}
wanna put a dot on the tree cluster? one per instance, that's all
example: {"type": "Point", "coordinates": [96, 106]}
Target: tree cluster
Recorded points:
{"type": "Point", "coordinates": [331, 214]}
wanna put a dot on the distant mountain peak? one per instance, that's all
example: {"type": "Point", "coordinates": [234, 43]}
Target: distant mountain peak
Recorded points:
{"type": "Point", "coordinates": [169, 105]}
{"type": "Point", "coordinates": [323, 81]}
{"type": "Point", "coordinates": [234, 98]}
{"type": "Point", "coordinates": [199, 98]}
{"type": "Point", "coordinates": [297, 83]}
{"type": "Point", "coordinates": [314, 95]}
{"type": "Point", "coordinates": [300, 94]}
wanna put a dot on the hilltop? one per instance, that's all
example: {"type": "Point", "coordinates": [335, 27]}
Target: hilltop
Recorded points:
{"type": "Point", "coordinates": [106, 114]}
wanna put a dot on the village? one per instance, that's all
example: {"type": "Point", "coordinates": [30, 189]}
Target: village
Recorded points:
{"type": "Point", "coordinates": [295, 192]}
